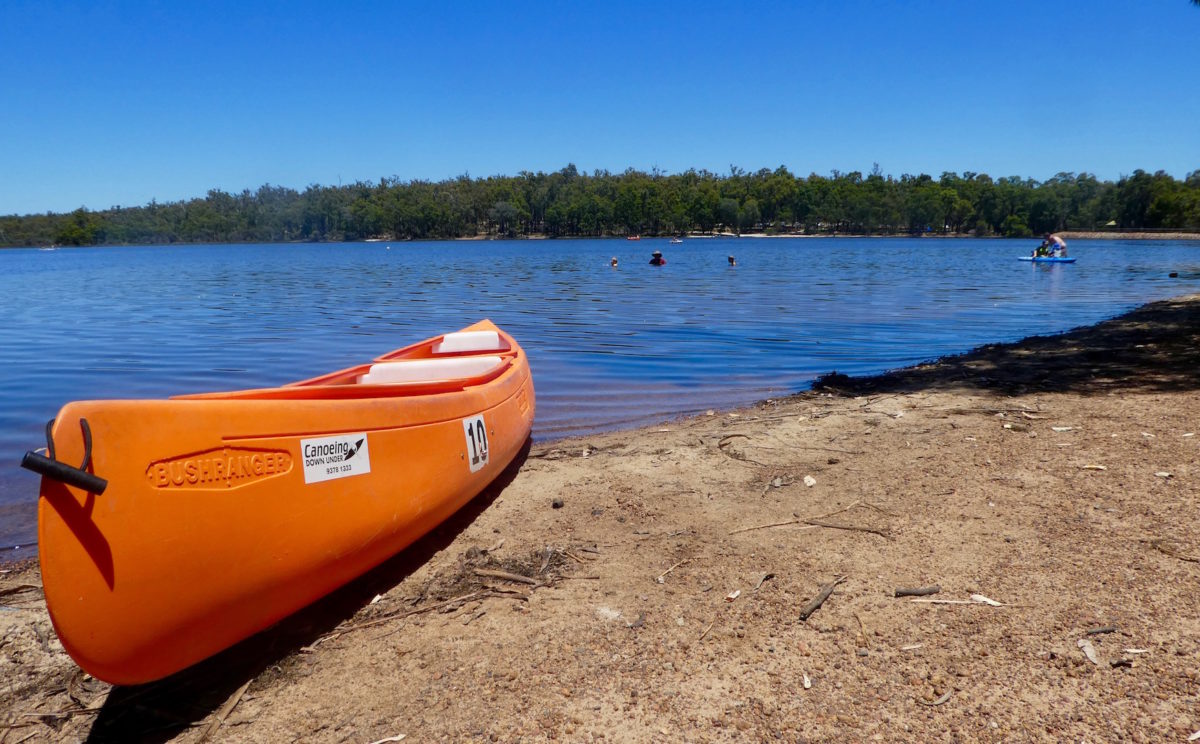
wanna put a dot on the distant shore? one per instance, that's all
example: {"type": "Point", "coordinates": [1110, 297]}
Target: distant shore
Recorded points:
{"type": "Point", "coordinates": [1066, 234]}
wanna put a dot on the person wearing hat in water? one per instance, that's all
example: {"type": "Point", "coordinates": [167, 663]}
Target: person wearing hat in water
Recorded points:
{"type": "Point", "coordinates": [657, 259]}
{"type": "Point", "coordinates": [732, 261]}
{"type": "Point", "coordinates": [613, 263]}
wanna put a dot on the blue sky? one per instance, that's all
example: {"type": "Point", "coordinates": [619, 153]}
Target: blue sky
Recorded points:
{"type": "Point", "coordinates": [118, 103]}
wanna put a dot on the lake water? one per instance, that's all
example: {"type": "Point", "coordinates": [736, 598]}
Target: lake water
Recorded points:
{"type": "Point", "coordinates": [609, 347]}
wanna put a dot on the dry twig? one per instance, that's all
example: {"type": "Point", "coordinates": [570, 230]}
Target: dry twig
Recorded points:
{"type": "Point", "coordinates": [724, 442]}
{"type": "Point", "coordinates": [853, 528]}
{"type": "Point", "coordinates": [663, 575]}
{"type": "Point", "coordinates": [819, 600]}
{"type": "Point", "coordinates": [17, 588]}
{"type": "Point", "coordinates": [937, 702]}
{"type": "Point", "coordinates": [1158, 544]}
{"type": "Point", "coordinates": [765, 526]}
{"type": "Point", "coordinates": [799, 520]}
{"type": "Point", "coordinates": [1101, 631]}
{"type": "Point", "coordinates": [396, 616]}
{"type": "Point", "coordinates": [224, 712]}
{"type": "Point", "coordinates": [506, 575]}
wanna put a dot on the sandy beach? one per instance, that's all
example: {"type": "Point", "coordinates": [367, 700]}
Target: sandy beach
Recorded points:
{"type": "Point", "coordinates": [734, 577]}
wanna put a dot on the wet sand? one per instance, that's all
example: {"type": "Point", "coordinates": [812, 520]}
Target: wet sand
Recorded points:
{"type": "Point", "coordinates": [1049, 488]}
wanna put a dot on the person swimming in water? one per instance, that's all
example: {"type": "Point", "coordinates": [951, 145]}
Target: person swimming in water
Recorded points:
{"type": "Point", "coordinates": [656, 259]}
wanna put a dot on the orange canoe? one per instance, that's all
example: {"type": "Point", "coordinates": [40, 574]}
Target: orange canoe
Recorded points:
{"type": "Point", "coordinates": [197, 521]}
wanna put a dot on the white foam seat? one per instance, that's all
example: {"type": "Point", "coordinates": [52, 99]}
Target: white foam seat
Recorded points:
{"type": "Point", "coordinates": [430, 370]}
{"type": "Point", "coordinates": [469, 341]}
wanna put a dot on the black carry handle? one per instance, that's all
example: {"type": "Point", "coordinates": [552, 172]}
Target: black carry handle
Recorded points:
{"type": "Point", "coordinates": [49, 467]}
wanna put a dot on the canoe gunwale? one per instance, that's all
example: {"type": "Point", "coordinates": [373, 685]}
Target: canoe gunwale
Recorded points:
{"type": "Point", "coordinates": [343, 384]}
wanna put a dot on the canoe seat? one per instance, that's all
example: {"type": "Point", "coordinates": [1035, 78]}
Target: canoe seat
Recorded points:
{"type": "Point", "coordinates": [469, 341]}
{"type": "Point", "coordinates": [430, 370]}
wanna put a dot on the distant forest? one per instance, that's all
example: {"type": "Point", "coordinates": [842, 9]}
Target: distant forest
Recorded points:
{"type": "Point", "coordinates": [568, 203]}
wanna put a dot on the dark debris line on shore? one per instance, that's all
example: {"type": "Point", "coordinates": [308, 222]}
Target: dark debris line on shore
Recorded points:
{"type": "Point", "coordinates": [1153, 347]}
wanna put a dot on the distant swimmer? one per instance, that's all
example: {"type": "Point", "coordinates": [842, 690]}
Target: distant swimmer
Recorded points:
{"type": "Point", "coordinates": [732, 261]}
{"type": "Point", "coordinates": [657, 259]}
{"type": "Point", "coordinates": [613, 262]}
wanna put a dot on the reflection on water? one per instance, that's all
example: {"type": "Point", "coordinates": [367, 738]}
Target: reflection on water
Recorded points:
{"type": "Point", "coordinates": [610, 347]}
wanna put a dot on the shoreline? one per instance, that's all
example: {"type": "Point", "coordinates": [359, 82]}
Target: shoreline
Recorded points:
{"type": "Point", "coordinates": [1055, 476]}
{"type": "Point", "coordinates": [1066, 234]}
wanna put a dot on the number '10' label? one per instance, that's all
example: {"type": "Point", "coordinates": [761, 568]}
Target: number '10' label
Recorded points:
{"type": "Point", "coordinates": [477, 442]}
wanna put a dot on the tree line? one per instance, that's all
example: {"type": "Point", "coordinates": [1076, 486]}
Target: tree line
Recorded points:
{"type": "Point", "coordinates": [568, 203]}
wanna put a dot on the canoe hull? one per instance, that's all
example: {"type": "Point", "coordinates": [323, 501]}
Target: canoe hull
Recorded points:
{"type": "Point", "coordinates": [224, 515]}
{"type": "Point", "coordinates": [1045, 259]}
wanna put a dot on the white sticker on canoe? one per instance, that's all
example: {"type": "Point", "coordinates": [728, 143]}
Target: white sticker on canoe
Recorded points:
{"type": "Point", "coordinates": [477, 442]}
{"type": "Point", "coordinates": [342, 456]}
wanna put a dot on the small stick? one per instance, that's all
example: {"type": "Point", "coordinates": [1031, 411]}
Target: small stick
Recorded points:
{"type": "Point", "coordinates": [763, 580]}
{"type": "Point", "coordinates": [862, 632]}
{"type": "Point", "coordinates": [18, 588]}
{"type": "Point", "coordinates": [845, 508]}
{"type": "Point", "coordinates": [663, 575]}
{"type": "Point", "coordinates": [1103, 630]}
{"type": "Point", "coordinates": [937, 702]}
{"type": "Point", "coordinates": [947, 601]}
{"type": "Point", "coordinates": [224, 712]}
{"type": "Point", "coordinates": [880, 509]}
{"type": "Point", "coordinates": [765, 526]}
{"type": "Point", "coordinates": [710, 625]}
{"type": "Point", "coordinates": [1157, 544]}
{"type": "Point", "coordinates": [829, 449]}
{"type": "Point", "coordinates": [851, 527]}
{"type": "Point", "coordinates": [506, 576]}
{"type": "Point", "coordinates": [730, 437]}
{"type": "Point", "coordinates": [819, 600]}
{"type": "Point", "coordinates": [397, 616]}
{"type": "Point", "coordinates": [799, 520]}
{"type": "Point", "coordinates": [49, 714]}
{"type": "Point", "coordinates": [918, 591]}
{"type": "Point", "coordinates": [506, 590]}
